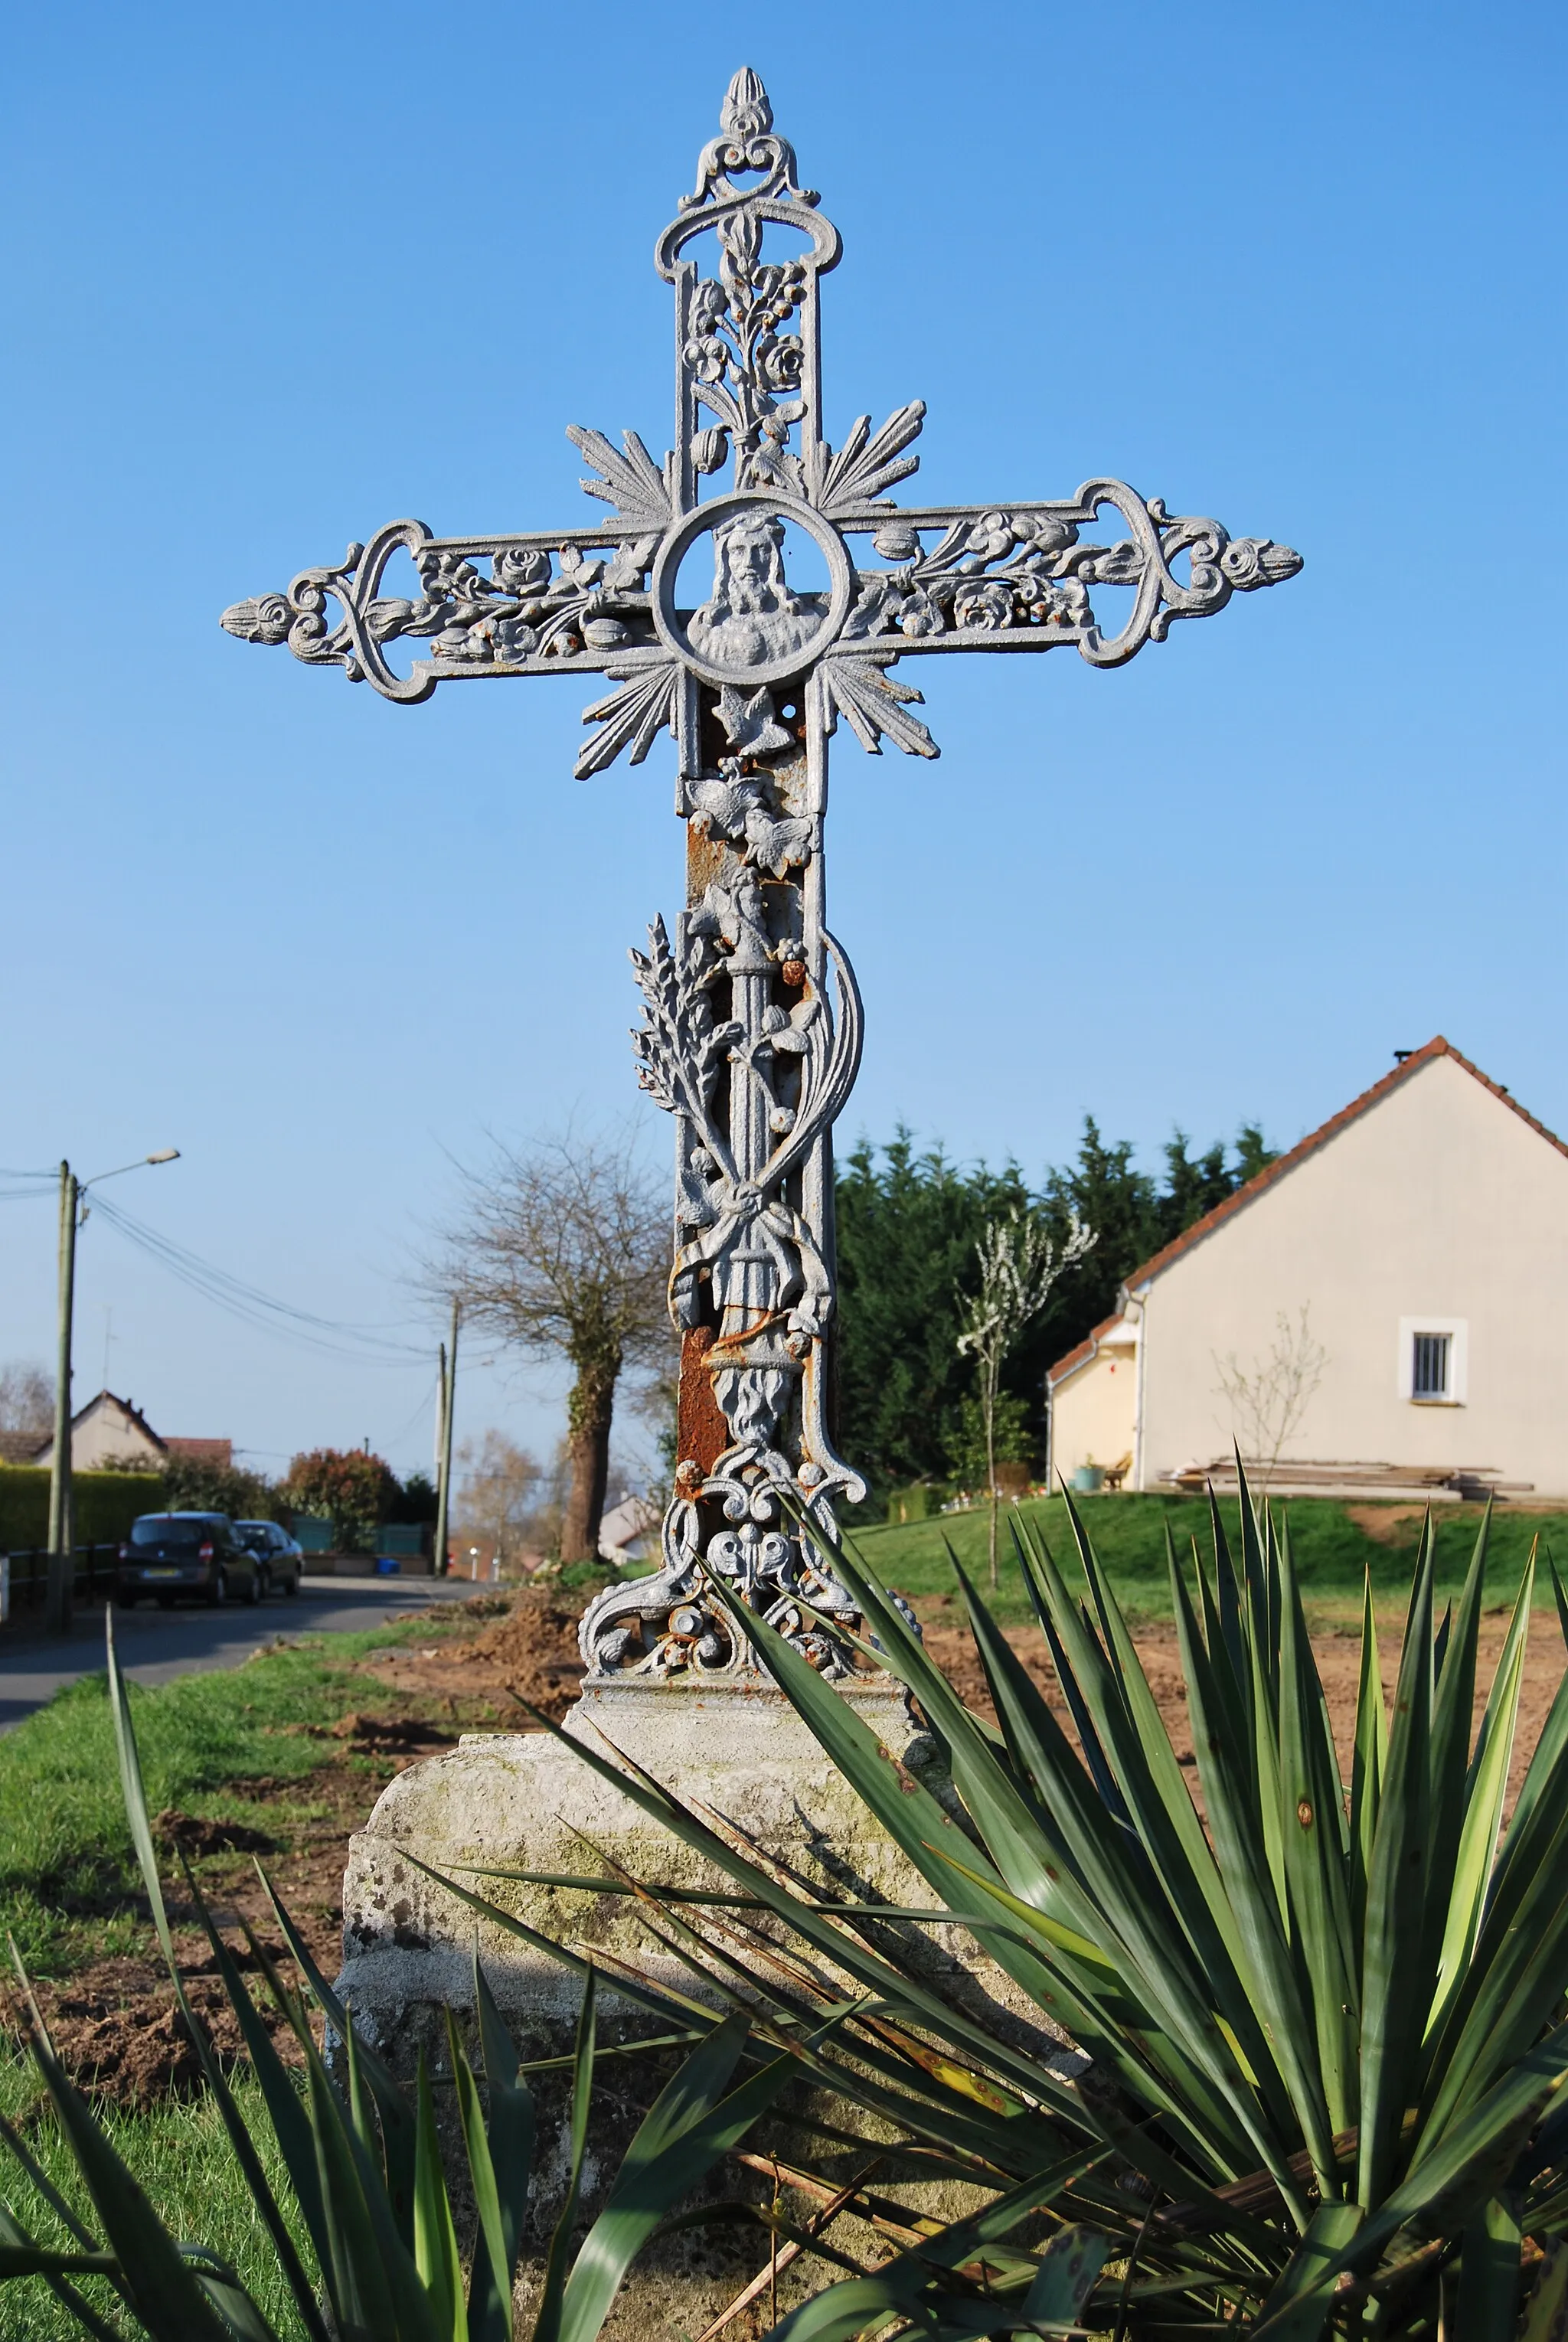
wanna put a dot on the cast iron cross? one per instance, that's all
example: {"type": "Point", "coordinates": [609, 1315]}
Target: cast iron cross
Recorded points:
{"type": "Point", "coordinates": [817, 584]}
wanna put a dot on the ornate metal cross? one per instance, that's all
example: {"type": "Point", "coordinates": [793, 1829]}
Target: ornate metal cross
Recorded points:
{"type": "Point", "coordinates": [816, 585]}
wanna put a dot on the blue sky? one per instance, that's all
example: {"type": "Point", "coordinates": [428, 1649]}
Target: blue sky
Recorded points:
{"type": "Point", "coordinates": [274, 278]}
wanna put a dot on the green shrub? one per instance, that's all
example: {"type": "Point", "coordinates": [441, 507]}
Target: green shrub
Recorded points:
{"type": "Point", "coordinates": [348, 1486]}
{"type": "Point", "coordinates": [107, 1503]}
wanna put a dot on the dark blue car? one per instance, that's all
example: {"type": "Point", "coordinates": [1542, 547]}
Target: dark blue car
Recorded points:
{"type": "Point", "coordinates": [189, 1558]}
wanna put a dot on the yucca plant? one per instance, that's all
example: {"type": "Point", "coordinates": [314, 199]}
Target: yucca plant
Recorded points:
{"type": "Point", "coordinates": [364, 2166]}
{"type": "Point", "coordinates": [1326, 2017]}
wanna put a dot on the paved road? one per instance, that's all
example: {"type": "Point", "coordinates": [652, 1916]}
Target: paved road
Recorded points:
{"type": "Point", "coordinates": [155, 1646]}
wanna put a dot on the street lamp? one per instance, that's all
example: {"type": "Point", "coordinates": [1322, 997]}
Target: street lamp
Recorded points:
{"type": "Point", "coordinates": [61, 1505]}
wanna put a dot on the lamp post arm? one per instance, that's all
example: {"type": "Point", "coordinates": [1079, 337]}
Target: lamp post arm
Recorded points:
{"type": "Point", "coordinates": [165, 1155]}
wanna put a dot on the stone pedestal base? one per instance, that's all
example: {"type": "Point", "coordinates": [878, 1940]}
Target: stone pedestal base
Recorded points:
{"type": "Point", "coordinates": [523, 1801]}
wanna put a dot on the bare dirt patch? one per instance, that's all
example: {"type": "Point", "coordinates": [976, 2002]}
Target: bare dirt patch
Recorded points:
{"type": "Point", "coordinates": [1338, 1650]}
{"type": "Point", "coordinates": [1386, 1523]}
{"type": "Point", "coordinates": [527, 1653]}
{"type": "Point", "coordinates": [199, 1834]}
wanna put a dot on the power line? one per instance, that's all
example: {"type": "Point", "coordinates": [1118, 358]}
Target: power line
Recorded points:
{"type": "Point", "coordinates": [363, 1344]}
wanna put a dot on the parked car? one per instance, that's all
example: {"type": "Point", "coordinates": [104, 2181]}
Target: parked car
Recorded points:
{"type": "Point", "coordinates": [281, 1558]}
{"type": "Point", "coordinates": [192, 1555]}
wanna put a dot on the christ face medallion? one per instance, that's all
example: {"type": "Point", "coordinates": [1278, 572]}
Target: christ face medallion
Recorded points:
{"type": "Point", "coordinates": [754, 628]}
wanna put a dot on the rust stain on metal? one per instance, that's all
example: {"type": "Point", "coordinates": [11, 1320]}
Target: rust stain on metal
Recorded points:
{"type": "Point", "coordinates": [703, 1432]}
{"type": "Point", "coordinates": [706, 861]}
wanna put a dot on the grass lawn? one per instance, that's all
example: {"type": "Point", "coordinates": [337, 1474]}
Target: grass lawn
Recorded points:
{"type": "Point", "coordinates": [181, 2155]}
{"type": "Point", "coordinates": [70, 1897]}
{"type": "Point", "coordinates": [67, 1882]}
{"type": "Point", "coordinates": [1332, 1545]}
{"type": "Point", "coordinates": [251, 1746]}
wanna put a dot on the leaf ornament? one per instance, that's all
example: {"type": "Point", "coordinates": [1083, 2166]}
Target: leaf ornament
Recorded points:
{"type": "Point", "coordinates": [632, 483]}
{"type": "Point", "coordinates": [873, 705]}
{"type": "Point", "coordinates": [630, 717]}
{"type": "Point", "coordinates": [865, 466]}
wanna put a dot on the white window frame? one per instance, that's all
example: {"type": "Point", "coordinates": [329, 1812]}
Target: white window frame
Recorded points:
{"type": "Point", "coordinates": [1458, 1331]}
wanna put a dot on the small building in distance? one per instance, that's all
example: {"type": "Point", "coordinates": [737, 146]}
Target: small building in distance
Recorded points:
{"type": "Point", "coordinates": [629, 1531]}
{"type": "Point", "coordinates": [110, 1435]}
{"type": "Point", "coordinates": [1394, 1284]}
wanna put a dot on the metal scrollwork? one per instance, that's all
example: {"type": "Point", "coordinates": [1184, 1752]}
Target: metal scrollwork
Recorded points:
{"type": "Point", "coordinates": [745, 615]}
{"type": "Point", "coordinates": [739, 1042]}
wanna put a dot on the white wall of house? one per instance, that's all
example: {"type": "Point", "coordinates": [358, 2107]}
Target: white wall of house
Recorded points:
{"type": "Point", "coordinates": [1093, 1411]}
{"type": "Point", "coordinates": [104, 1438]}
{"type": "Point", "coordinates": [1438, 1208]}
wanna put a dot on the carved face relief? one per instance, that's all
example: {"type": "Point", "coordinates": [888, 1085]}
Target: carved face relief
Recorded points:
{"type": "Point", "coordinates": [755, 628]}
{"type": "Point", "coordinates": [754, 619]}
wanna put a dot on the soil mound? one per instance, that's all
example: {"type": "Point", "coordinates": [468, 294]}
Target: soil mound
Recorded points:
{"type": "Point", "coordinates": [530, 1650]}
{"type": "Point", "coordinates": [389, 1733]}
{"type": "Point", "coordinates": [198, 1834]}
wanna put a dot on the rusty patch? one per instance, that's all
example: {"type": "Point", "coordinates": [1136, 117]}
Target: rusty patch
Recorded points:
{"type": "Point", "coordinates": [703, 1432]}
{"type": "Point", "coordinates": [705, 860]}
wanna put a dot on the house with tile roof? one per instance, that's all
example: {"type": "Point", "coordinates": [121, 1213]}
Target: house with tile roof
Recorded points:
{"type": "Point", "coordinates": [1407, 1264]}
{"type": "Point", "coordinates": [111, 1433]}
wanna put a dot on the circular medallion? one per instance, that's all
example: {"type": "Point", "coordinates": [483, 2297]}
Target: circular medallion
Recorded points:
{"type": "Point", "coordinates": [753, 630]}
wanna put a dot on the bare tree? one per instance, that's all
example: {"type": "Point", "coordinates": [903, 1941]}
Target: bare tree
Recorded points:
{"type": "Point", "coordinates": [502, 1501]}
{"type": "Point", "coordinates": [1019, 1264]}
{"type": "Point", "coordinates": [1269, 1397]}
{"type": "Point", "coordinates": [562, 1249]}
{"type": "Point", "coordinates": [26, 1400]}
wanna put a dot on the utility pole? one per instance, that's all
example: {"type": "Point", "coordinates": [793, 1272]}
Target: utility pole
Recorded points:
{"type": "Point", "coordinates": [61, 1510]}
{"type": "Point", "coordinates": [444, 1431]}
{"type": "Point", "coordinates": [60, 1585]}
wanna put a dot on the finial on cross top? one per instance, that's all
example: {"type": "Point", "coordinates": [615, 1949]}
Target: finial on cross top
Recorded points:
{"type": "Point", "coordinates": [746, 143]}
{"type": "Point", "coordinates": [745, 615]}
{"type": "Point", "coordinates": [746, 111]}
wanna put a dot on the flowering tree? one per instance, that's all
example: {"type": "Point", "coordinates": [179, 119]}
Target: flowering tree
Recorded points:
{"type": "Point", "coordinates": [1019, 1264]}
{"type": "Point", "coordinates": [348, 1486]}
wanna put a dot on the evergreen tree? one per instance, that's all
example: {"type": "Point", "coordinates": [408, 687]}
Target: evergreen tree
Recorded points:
{"type": "Point", "coordinates": [908, 1224]}
{"type": "Point", "coordinates": [908, 1227]}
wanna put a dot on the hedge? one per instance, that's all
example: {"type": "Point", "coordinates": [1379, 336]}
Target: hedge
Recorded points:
{"type": "Point", "coordinates": [106, 1505]}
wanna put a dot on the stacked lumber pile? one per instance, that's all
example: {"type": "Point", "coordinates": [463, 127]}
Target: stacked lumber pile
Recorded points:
{"type": "Point", "coordinates": [1440, 1483]}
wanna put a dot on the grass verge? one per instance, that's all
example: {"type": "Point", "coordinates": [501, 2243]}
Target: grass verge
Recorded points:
{"type": "Point", "coordinates": [179, 2152]}
{"type": "Point", "coordinates": [67, 1888]}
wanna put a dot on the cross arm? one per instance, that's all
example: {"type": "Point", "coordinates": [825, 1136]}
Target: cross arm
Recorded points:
{"type": "Point", "coordinates": [1021, 576]}
{"type": "Point", "coordinates": [549, 602]}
